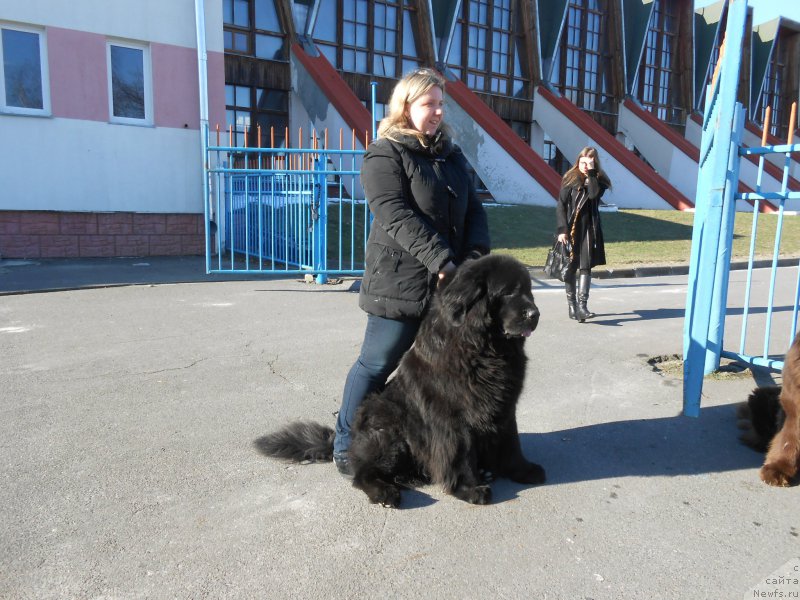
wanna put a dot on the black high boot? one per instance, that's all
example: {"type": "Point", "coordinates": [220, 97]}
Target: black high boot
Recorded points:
{"type": "Point", "coordinates": [569, 285]}
{"type": "Point", "coordinates": [584, 282]}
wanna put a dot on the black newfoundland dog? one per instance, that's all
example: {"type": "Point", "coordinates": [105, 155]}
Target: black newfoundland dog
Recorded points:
{"type": "Point", "coordinates": [771, 423]}
{"type": "Point", "coordinates": [448, 415]}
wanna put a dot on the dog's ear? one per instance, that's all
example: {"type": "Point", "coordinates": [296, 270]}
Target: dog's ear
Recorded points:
{"type": "Point", "coordinates": [459, 296]}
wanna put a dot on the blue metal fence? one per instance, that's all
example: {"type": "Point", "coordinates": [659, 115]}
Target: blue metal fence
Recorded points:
{"type": "Point", "coordinates": [712, 238]}
{"type": "Point", "coordinates": [764, 358]}
{"type": "Point", "coordinates": [283, 210]}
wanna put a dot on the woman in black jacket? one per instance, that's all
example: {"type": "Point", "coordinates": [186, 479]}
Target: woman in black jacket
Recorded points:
{"type": "Point", "coordinates": [578, 220]}
{"type": "Point", "coordinates": [427, 220]}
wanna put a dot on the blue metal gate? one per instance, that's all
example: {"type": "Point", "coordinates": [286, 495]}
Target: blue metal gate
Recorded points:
{"type": "Point", "coordinates": [712, 236]}
{"type": "Point", "coordinates": [283, 210]}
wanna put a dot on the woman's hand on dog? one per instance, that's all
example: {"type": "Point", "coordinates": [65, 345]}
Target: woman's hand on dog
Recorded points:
{"type": "Point", "coordinates": [446, 271]}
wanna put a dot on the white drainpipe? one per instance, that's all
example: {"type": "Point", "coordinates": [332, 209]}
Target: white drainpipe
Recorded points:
{"type": "Point", "coordinates": [202, 71]}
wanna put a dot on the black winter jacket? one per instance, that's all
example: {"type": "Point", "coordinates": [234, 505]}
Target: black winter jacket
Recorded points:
{"type": "Point", "coordinates": [578, 215]}
{"type": "Point", "coordinates": [426, 213]}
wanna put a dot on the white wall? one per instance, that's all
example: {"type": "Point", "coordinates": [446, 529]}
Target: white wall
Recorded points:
{"type": "Point", "coordinates": [628, 191]}
{"type": "Point", "coordinates": [694, 132]}
{"type": "Point", "coordinates": [72, 165]}
{"type": "Point", "coordinates": [64, 164]}
{"type": "Point", "coordinates": [163, 21]}
{"type": "Point", "coordinates": [668, 161]}
{"type": "Point", "coordinates": [748, 172]}
{"type": "Point", "coordinates": [502, 175]}
{"type": "Point", "coordinates": [779, 160]}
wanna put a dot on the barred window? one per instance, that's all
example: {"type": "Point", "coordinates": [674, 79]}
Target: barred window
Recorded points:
{"type": "Point", "coordinates": [486, 52]}
{"type": "Point", "coordinates": [375, 37]}
{"type": "Point", "coordinates": [355, 27]}
{"type": "Point", "coordinates": [773, 90]}
{"type": "Point", "coordinates": [582, 63]}
{"type": "Point", "coordinates": [657, 85]}
{"type": "Point", "coordinates": [253, 28]}
{"type": "Point", "coordinates": [252, 110]}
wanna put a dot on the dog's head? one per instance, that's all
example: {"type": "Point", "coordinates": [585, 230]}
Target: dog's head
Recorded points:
{"type": "Point", "coordinates": [493, 292]}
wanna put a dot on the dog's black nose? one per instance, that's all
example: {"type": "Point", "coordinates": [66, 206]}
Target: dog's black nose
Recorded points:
{"type": "Point", "coordinates": [531, 313]}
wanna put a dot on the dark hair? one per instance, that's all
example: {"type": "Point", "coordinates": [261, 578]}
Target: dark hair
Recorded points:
{"type": "Point", "coordinates": [574, 177]}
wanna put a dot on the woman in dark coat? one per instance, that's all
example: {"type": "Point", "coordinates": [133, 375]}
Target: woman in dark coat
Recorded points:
{"type": "Point", "coordinates": [578, 221]}
{"type": "Point", "coordinates": [427, 220]}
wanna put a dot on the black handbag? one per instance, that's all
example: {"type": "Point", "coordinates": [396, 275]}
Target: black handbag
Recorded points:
{"type": "Point", "coordinates": [557, 261]}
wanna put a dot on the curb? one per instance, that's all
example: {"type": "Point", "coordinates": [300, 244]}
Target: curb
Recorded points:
{"type": "Point", "coordinates": [683, 269]}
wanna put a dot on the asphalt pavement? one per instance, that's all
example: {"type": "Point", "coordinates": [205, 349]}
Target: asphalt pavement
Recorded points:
{"type": "Point", "coordinates": [132, 391]}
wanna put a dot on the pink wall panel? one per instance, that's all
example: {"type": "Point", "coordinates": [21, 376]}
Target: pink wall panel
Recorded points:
{"type": "Point", "coordinates": [216, 90]}
{"type": "Point", "coordinates": [79, 80]}
{"type": "Point", "coordinates": [78, 74]}
{"type": "Point", "coordinates": [175, 90]}
{"type": "Point", "coordinates": [175, 87]}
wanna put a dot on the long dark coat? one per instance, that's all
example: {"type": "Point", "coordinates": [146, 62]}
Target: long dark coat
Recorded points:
{"type": "Point", "coordinates": [578, 215]}
{"type": "Point", "coordinates": [426, 214]}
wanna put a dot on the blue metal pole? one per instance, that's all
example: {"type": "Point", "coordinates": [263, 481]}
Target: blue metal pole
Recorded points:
{"type": "Point", "coordinates": [776, 251]}
{"type": "Point", "coordinates": [719, 299]}
{"type": "Point", "coordinates": [373, 95]}
{"type": "Point", "coordinates": [708, 222]}
{"type": "Point", "coordinates": [321, 226]}
{"type": "Point", "coordinates": [793, 330]}
{"type": "Point", "coordinates": [773, 275]}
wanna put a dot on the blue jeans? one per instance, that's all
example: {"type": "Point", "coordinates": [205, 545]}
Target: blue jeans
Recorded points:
{"type": "Point", "coordinates": [385, 342]}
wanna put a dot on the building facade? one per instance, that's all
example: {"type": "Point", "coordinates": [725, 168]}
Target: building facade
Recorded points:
{"type": "Point", "coordinates": [99, 105]}
{"type": "Point", "coordinates": [100, 123]}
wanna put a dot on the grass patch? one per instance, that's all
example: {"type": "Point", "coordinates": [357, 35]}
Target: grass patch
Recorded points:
{"type": "Point", "coordinates": [635, 237]}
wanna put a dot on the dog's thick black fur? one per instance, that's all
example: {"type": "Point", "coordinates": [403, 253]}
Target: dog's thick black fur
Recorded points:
{"type": "Point", "coordinates": [449, 412]}
{"type": "Point", "coordinates": [761, 417]}
{"type": "Point", "coordinates": [772, 419]}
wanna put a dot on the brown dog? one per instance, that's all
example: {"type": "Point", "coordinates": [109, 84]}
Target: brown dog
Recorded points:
{"type": "Point", "coordinates": [781, 463]}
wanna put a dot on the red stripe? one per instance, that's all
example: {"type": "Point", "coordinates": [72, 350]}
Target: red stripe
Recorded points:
{"type": "Point", "coordinates": [336, 91]}
{"type": "Point", "coordinates": [610, 144]}
{"type": "Point", "coordinates": [501, 133]}
{"type": "Point", "coordinates": [685, 146]}
{"type": "Point", "coordinates": [765, 206]}
{"type": "Point", "coordinates": [665, 131]}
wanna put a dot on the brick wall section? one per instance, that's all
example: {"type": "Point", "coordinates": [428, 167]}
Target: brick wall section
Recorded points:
{"type": "Point", "coordinates": [43, 234]}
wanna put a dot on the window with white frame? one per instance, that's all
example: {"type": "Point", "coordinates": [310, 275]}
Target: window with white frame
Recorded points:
{"type": "Point", "coordinates": [24, 79]}
{"type": "Point", "coordinates": [129, 82]}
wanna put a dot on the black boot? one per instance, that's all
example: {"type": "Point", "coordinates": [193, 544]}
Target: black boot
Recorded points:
{"type": "Point", "coordinates": [569, 285]}
{"type": "Point", "coordinates": [584, 282]}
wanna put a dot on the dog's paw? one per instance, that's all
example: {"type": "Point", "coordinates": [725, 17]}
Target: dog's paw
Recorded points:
{"type": "Point", "coordinates": [486, 476]}
{"type": "Point", "coordinates": [480, 494]}
{"type": "Point", "coordinates": [531, 473]}
{"type": "Point", "coordinates": [771, 475]}
{"type": "Point", "coordinates": [388, 496]}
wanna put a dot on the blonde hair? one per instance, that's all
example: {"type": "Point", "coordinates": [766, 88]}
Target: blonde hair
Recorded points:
{"type": "Point", "coordinates": [408, 89]}
{"type": "Point", "coordinates": [574, 177]}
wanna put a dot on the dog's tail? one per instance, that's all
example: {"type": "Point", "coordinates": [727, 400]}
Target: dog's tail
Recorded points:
{"type": "Point", "coordinates": [301, 441]}
{"type": "Point", "coordinates": [761, 417]}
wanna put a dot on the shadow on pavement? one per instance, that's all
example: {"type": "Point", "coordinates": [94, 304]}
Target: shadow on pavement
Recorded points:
{"type": "Point", "coordinates": [664, 447]}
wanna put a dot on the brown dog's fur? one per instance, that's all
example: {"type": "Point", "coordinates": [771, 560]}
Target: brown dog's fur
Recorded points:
{"type": "Point", "coordinates": [770, 408]}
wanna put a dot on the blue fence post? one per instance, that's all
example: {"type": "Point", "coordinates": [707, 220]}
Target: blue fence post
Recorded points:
{"type": "Point", "coordinates": [718, 123]}
{"type": "Point", "coordinates": [321, 224]}
{"type": "Point", "coordinates": [206, 197]}
{"type": "Point", "coordinates": [719, 299]}
{"type": "Point", "coordinates": [373, 94]}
